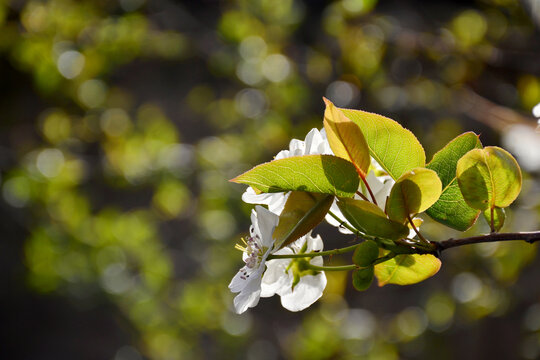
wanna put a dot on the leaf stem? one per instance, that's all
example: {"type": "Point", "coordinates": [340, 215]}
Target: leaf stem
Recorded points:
{"type": "Point", "coordinates": [314, 254]}
{"type": "Point", "coordinates": [362, 196]}
{"type": "Point", "coordinates": [416, 229]}
{"type": "Point", "coordinates": [369, 190]}
{"type": "Point", "coordinates": [332, 268]}
{"type": "Point", "coordinates": [492, 223]}
{"type": "Point", "coordinates": [344, 223]}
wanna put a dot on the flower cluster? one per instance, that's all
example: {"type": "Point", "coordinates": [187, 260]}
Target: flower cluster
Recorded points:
{"type": "Point", "coordinates": [293, 279]}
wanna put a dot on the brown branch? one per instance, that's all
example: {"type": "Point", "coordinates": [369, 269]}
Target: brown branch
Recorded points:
{"type": "Point", "coordinates": [529, 237]}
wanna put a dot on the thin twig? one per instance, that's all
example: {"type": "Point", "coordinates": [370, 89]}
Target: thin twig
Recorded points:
{"type": "Point", "coordinates": [530, 237]}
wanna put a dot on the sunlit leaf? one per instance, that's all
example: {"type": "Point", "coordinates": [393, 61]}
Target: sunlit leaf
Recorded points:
{"type": "Point", "coordinates": [451, 208]}
{"type": "Point", "coordinates": [498, 218]}
{"type": "Point", "coordinates": [366, 253]}
{"type": "Point", "coordinates": [369, 219]}
{"type": "Point", "coordinates": [413, 193]}
{"type": "Point", "coordinates": [346, 139]}
{"type": "Point", "coordinates": [302, 212]}
{"type": "Point", "coordinates": [362, 278]}
{"type": "Point", "coordinates": [489, 178]}
{"type": "Point", "coordinates": [324, 174]}
{"type": "Point", "coordinates": [395, 148]}
{"type": "Point", "coordinates": [407, 269]}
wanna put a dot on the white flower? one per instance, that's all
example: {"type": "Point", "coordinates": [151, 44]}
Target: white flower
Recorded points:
{"type": "Point", "coordinates": [259, 244]}
{"type": "Point", "coordinates": [315, 143]}
{"type": "Point", "coordinates": [298, 289]}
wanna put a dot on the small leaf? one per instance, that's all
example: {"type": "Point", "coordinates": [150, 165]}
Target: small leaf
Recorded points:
{"type": "Point", "coordinates": [489, 178]}
{"type": "Point", "coordinates": [395, 148]}
{"type": "Point", "coordinates": [451, 208]}
{"type": "Point", "coordinates": [414, 192]}
{"type": "Point", "coordinates": [346, 138]}
{"type": "Point", "coordinates": [302, 212]}
{"type": "Point", "coordinates": [498, 218]}
{"type": "Point", "coordinates": [366, 253]}
{"type": "Point", "coordinates": [325, 174]}
{"type": "Point", "coordinates": [362, 278]}
{"type": "Point", "coordinates": [407, 269]}
{"type": "Point", "coordinates": [369, 219]}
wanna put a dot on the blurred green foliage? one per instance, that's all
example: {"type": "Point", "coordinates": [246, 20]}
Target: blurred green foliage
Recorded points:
{"type": "Point", "coordinates": [132, 115]}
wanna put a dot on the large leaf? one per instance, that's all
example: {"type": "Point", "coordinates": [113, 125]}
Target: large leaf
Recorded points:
{"type": "Point", "coordinates": [346, 138]}
{"type": "Point", "coordinates": [302, 212]}
{"type": "Point", "coordinates": [395, 148]}
{"type": "Point", "coordinates": [407, 269]}
{"type": "Point", "coordinates": [324, 174]}
{"type": "Point", "coordinates": [451, 208]}
{"type": "Point", "coordinates": [489, 178]}
{"type": "Point", "coordinates": [414, 192]}
{"type": "Point", "coordinates": [369, 219]}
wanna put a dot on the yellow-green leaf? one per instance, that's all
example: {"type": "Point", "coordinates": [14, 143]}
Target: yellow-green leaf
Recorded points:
{"type": "Point", "coordinates": [414, 192]}
{"type": "Point", "coordinates": [325, 174]}
{"type": "Point", "coordinates": [407, 269]}
{"type": "Point", "coordinates": [369, 219]}
{"type": "Point", "coordinates": [346, 138]}
{"type": "Point", "coordinates": [302, 212]}
{"type": "Point", "coordinates": [395, 148]}
{"type": "Point", "coordinates": [489, 178]}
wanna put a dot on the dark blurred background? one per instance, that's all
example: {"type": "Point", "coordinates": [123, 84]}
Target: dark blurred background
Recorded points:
{"type": "Point", "coordinates": [121, 122]}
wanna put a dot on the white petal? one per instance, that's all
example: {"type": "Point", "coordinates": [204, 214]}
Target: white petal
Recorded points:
{"type": "Point", "coordinates": [249, 196]}
{"type": "Point", "coordinates": [317, 261]}
{"type": "Point", "coordinates": [243, 278]}
{"type": "Point", "coordinates": [267, 222]}
{"type": "Point", "coordinates": [249, 297]}
{"type": "Point", "coordinates": [383, 193]}
{"type": "Point", "coordinates": [296, 147]}
{"type": "Point", "coordinates": [282, 155]}
{"type": "Point", "coordinates": [314, 243]}
{"type": "Point", "coordinates": [278, 202]}
{"type": "Point", "coordinates": [306, 292]}
{"type": "Point", "coordinates": [275, 277]}
{"type": "Point", "coordinates": [536, 111]}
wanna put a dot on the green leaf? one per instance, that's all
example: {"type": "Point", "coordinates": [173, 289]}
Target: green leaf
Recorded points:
{"type": "Point", "coordinates": [498, 218]}
{"type": "Point", "coordinates": [346, 138]}
{"type": "Point", "coordinates": [407, 269]}
{"type": "Point", "coordinates": [489, 178]}
{"type": "Point", "coordinates": [414, 192]}
{"type": "Point", "coordinates": [395, 148]}
{"type": "Point", "coordinates": [369, 219]}
{"type": "Point", "coordinates": [366, 253]}
{"type": "Point", "coordinates": [362, 278]}
{"type": "Point", "coordinates": [451, 208]}
{"type": "Point", "coordinates": [324, 174]}
{"type": "Point", "coordinates": [302, 212]}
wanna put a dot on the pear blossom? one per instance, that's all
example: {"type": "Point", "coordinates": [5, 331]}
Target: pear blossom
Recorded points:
{"type": "Point", "coordinates": [259, 244]}
{"type": "Point", "coordinates": [315, 143]}
{"type": "Point", "coordinates": [297, 287]}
